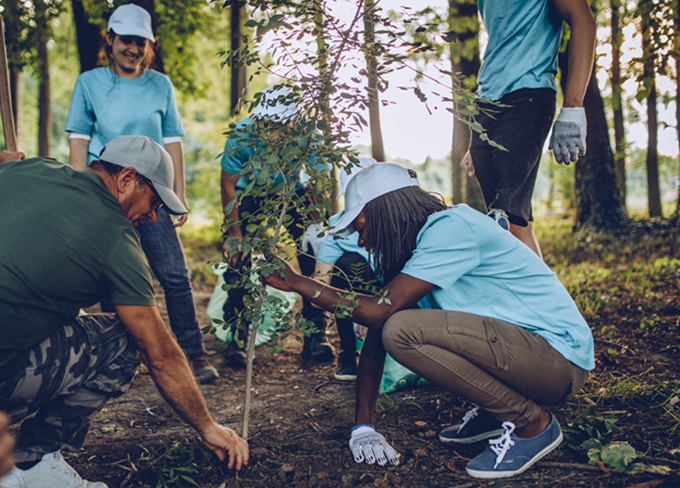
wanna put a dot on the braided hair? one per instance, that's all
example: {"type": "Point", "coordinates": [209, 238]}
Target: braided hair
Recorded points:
{"type": "Point", "coordinates": [393, 221]}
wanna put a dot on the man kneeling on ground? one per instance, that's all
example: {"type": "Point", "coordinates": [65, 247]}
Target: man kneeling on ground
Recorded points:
{"type": "Point", "coordinates": [69, 241]}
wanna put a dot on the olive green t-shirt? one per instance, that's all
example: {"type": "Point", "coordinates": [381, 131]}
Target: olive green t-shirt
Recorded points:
{"type": "Point", "coordinates": [65, 244]}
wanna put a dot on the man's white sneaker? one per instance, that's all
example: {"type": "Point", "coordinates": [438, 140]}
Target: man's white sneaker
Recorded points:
{"type": "Point", "coordinates": [51, 472]}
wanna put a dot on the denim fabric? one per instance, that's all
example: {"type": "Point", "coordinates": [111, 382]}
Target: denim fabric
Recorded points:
{"type": "Point", "coordinates": [163, 249]}
{"type": "Point", "coordinates": [507, 176]}
{"type": "Point", "coordinates": [65, 380]}
{"type": "Point", "coordinates": [504, 369]}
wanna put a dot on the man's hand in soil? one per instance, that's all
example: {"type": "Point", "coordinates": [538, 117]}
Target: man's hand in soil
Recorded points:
{"type": "Point", "coordinates": [368, 445]}
{"type": "Point", "coordinates": [226, 443]}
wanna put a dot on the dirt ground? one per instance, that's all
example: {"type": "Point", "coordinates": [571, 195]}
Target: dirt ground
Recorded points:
{"type": "Point", "coordinates": [301, 417]}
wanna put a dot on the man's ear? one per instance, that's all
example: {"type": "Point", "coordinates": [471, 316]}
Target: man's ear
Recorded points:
{"type": "Point", "coordinates": [125, 178]}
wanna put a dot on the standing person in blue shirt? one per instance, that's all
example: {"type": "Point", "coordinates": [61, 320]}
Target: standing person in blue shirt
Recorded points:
{"type": "Point", "coordinates": [129, 98]}
{"type": "Point", "coordinates": [516, 94]}
{"type": "Point", "coordinates": [495, 326]}
{"type": "Point", "coordinates": [343, 264]}
{"type": "Point", "coordinates": [248, 148]}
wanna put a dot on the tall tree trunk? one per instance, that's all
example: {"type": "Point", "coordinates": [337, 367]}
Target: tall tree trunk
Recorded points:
{"type": "Point", "coordinates": [44, 105]}
{"type": "Point", "coordinates": [617, 103]}
{"type": "Point", "coordinates": [598, 200]}
{"type": "Point", "coordinates": [676, 42]}
{"type": "Point", "coordinates": [465, 63]}
{"type": "Point", "coordinates": [88, 37]}
{"type": "Point", "coordinates": [652, 163]}
{"type": "Point", "coordinates": [649, 82]}
{"type": "Point", "coordinates": [377, 145]}
{"type": "Point", "coordinates": [238, 70]}
{"type": "Point", "coordinates": [11, 15]}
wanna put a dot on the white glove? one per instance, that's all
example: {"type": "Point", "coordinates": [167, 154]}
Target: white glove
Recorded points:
{"type": "Point", "coordinates": [568, 139]}
{"type": "Point", "coordinates": [368, 445]}
{"type": "Point", "coordinates": [312, 239]}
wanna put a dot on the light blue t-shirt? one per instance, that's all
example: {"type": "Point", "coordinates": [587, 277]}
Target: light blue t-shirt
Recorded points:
{"type": "Point", "coordinates": [478, 268]}
{"type": "Point", "coordinates": [240, 149]}
{"type": "Point", "coordinates": [524, 38]}
{"type": "Point", "coordinates": [332, 248]}
{"type": "Point", "coordinates": [104, 106]}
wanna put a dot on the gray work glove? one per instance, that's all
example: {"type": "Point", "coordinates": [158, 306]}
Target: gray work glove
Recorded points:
{"type": "Point", "coordinates": [568, 139]}
{"type": "Point", "coordinates": [313, 238]}
{"type": "Point", "coordinates": [368, 445]}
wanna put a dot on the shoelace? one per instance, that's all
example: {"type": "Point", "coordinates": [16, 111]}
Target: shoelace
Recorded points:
{"type": "Point", "coordinates": [469, 415]}
{"type": "Point", "coordinates": [501, 445]}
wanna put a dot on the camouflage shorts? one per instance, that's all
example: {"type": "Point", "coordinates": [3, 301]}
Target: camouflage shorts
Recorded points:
{"type": "Point", "coordinates": [65, 380]}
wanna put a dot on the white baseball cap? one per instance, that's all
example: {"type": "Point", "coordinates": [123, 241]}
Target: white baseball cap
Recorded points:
{"type": "Point", "coordinates": [131, 20]}
{"type": "Point", "coordinates": [363, 162]}
{"type": "Point", "coordinates": [369, 184]}
{"type": "Point", "coordinates": [277, 104]}
{"type": "Point", "coordinates": [151, 161]}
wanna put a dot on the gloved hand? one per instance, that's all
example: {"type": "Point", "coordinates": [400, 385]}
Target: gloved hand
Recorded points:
{"type": "Point", "coordinates": [568, 139]}
{"type": "Point", "coordinates": [368, 445]}
{"type": "Point", "coordinates": [312, 239]}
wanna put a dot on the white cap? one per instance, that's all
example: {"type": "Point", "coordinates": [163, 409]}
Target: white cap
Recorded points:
{"type": "Point", "coordinates": [276, 103]}
{"type": "Point", "coordinates": [151, 161]}
{"type": "Point", "coordinates": [131, 20]}
{"type": "Point", "coordinates": [369, 184]}
{"type": "Point", "coordinates": [364, 162]}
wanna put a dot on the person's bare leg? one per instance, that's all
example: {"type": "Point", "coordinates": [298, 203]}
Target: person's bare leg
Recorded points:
{"type": "Point", "coordinates": [535, 427]}
{"type": "Point", "coordinates": [527, 236]}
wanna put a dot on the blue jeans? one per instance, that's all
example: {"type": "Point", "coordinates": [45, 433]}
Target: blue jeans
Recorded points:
{"type": "Point", "coordinates": [164, 252]}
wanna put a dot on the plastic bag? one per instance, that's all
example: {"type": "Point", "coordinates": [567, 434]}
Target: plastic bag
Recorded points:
{"type": "Point", "coordinates": [265, 331]}
{"type": "Point", "coordinates": [395, 376]}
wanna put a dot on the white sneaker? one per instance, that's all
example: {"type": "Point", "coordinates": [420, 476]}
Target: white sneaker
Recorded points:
{"type": "Point", "coordinates": [51, 472]}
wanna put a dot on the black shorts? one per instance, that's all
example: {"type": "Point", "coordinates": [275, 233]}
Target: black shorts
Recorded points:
{"type": "Point", "coordinates": [507, 175]}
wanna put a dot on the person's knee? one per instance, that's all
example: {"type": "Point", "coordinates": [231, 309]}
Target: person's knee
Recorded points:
{"type": "Point", "coordinates": [397, 334]}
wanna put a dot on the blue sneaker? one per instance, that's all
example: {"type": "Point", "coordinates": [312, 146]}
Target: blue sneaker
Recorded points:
{"type": "Point", "coordinates": [476, 426]}
{"type": "Point", "coordinates": [510, 455]}
{"type": "Point", "coordinates": [500, 217]}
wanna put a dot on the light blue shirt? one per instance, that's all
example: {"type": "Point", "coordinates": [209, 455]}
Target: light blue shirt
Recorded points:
{"type": "Point", "coordinates": [478, 268]}
{"type": "Point", "coordinates": [243, 147]}
{"type": "Point", "coordinates": [524, 38]}
{"type": "Point", "coordinates": [104, 106]}
{"type": "Point", "coordinates": [332, 248]}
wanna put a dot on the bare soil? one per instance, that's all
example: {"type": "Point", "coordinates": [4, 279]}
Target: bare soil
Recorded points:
{"type": "Point", "coordinates": [301, 418]}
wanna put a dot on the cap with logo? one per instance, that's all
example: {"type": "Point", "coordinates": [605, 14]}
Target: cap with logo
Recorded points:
{"type": "Point", "coordinates": [150, 160]}
{"type": "Point", "coordinates": [369, 184]}
{"type": "Point", "coordinates": [131, 20]}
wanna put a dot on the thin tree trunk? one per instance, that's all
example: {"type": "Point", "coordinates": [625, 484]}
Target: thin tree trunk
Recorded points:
{"type": "Point", "coordinates": [44, 105]}
{"type": "Point", "coordinates": [238, 71]}
{"type": "Point", "coordinates": [12, 13]}
{"type": "Point", "coordinates": [617, 104]}
{"type": "Point", "coordinates": [652, 162]}
{"type": "Point", "coordinates": [377, 145]}
{"type": "Point", "coordinates": [465, 63]}
{"type": "Point", "coordinates": [676, 23]}
{"type": "Point", "coordinates": [88, 37]}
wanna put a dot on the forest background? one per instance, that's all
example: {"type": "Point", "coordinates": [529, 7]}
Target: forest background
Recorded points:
{"type": "Point", "coordinates": [635, 77]}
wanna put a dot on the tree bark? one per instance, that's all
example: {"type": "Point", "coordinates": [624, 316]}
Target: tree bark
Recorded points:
{"type": "Point", "coordinates": [377, 145]}
{"type": "Point", "coordinates": [88, 37]}
{"type": "Point", "coordinates": [44, 105]}
{"type": "Point", "coordinates": [598, 200]}
{"type": "Point", "coordinates": [617, 103]}
{"type": "Point", "coordinates": [465, 63]}
{"type": "Point", "coordinates": [238, 72]}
